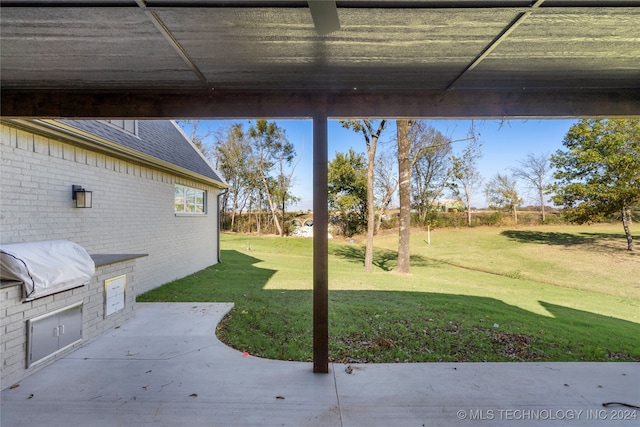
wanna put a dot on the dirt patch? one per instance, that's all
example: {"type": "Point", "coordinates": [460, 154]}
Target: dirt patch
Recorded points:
{"type": "Point", "coordinates": [515, 346]}
{"type": "Point", "coordinates": [622, 357]}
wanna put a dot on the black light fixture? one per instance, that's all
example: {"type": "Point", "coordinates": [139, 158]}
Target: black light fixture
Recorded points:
{"type": "Point", "coordinates": [81, 196]}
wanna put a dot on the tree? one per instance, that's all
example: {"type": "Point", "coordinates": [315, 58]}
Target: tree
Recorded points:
{"type": "Point", "coordinates": [598, 174]}
{"type": "Point", "coordinates": [535, 170]}
{"type": "Point", "coordinates": [230, 150]}
{"type": "Point", "coordinates": [371, 136]}
{"type": "Point", "coordinates": [347, 189]}
{"type": "Point", "coordinates": [284, 179]}
{"type": "Point", "coordinates": [404, 172]}
{"type": "Point", "coordinates": [430, 155]}
{"type": "Point", "coordinates": [385, 185]}
{"type": "Point", "coordinates": [197, 135]}
{"type": "Point", "coordinates": [424, 153]}
{"type": "Point", "coordinates": [465, 176]}
{"type": "Point", "coordinates": [271, 148]}
{"type": "Point", "coordinates": [502, 192]}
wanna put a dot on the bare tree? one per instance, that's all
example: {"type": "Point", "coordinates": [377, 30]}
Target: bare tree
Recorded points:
{"type": "Point", "coordinates": [385, 185]}
{"type": "Point", "coordinates": [371, 136]}
{"type": "Point", "coordinates": [431, 166]}
{"type": "Point", "coordinates": [535, 170]}
{"type": "Point", "coordinates": [198, 135]}
{"type": "Point", "coordinates": [284, 180]}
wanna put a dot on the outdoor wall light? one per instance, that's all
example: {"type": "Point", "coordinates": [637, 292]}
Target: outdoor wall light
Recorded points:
{"type": "Point", "coordinates": [81, 196]}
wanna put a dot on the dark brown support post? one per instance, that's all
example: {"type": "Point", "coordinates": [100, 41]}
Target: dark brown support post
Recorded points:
{"type": "Point", "coordinates": [320, 248]}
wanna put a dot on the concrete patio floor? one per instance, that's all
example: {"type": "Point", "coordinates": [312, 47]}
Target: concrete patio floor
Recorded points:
{"type": "Point", "coordinates": [166, 368]}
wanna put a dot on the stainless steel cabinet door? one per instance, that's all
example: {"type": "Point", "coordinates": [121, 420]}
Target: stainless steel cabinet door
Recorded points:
{"type": "Point", "coordinates": [52, 332]}
{"type": "Point", "coordinates": [70, 326]}
{"type": "Point", "coordinates": [43, 339]}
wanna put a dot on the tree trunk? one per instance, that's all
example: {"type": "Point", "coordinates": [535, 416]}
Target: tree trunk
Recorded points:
{"type": "Point", "coordinates": [272, 206]}
{"type": "Point", "coordinates": [240, 209]}
{"type": "Point", "coordinates": [233, 213]}
{"type": "Point", "coordinates": [515, 214]}
{"type": "Point", "coordinates": [283, 209]}
{"type": "Point", "coordinates": [468, 197]}
{"type": "Point", "coordinates": [379, 221]}
{"type": "Point", "coordinates": [259, 217]}
{"type": "Point", "coordinates": [423, 214]}
{"type": "Point", "coordinates": [626, 219]}
{"type": "Point", "coordinates": [542, 205]}
{"type": "Point", "coordinates": [404, 168]}
{"type": "Point", "coordinates": [371, 214]}
{"type": "Point", "coordinates": [382, 210]}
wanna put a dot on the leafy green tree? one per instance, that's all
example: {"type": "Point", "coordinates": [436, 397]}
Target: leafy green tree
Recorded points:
{"type": "Point", "coordinates": [502, 192]}
{"type": "Point", "coordinates": [230, 150]}
{"type": "Point", "coordinates": [347, 189]}
{"type": "Point", "coordinates": [271, 149]}
{"type": "Point", "coordinates": [598, 174]}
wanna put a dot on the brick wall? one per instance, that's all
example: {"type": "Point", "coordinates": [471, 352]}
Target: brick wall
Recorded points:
{"type": "Point", "coordinates": [132, 213]}
{"type": "Point", "coordinates": [15, 315]}
{"type": "Point", "coordinates": [132, 207]}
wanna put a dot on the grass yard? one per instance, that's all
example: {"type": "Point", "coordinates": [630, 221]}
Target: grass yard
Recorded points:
{"type": "Point", "coordinates": [553, 293]}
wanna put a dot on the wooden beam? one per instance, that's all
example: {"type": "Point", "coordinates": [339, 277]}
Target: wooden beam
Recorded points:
{"type": "Point", "coordinates": [320, 248]}
{"type": "Point", "coordinates": [223, 105]}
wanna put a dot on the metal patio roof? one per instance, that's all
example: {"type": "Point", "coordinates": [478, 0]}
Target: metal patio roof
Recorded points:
{"type": "Point", "coordinates": [431, 58]}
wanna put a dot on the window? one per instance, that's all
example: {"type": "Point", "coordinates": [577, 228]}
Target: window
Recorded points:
{"type": "Point", "coordinates": [130, 126]}
{"type": "Point", "coordinates": [189, 200]}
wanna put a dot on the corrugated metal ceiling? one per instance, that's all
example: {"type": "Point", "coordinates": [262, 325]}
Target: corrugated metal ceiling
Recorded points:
{"type": "Point", "coordinates": [393, 48]}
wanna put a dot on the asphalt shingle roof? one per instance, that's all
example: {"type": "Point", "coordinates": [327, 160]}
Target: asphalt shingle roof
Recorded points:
{"type": "Point", "coordinates": [156, 138]}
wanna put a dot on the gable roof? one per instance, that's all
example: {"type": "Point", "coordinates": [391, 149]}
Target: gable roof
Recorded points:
{"type": "Point", "coordinates": [160, 139]}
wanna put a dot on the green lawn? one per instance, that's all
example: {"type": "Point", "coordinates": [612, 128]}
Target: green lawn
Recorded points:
{"type": "Point", "coordinates": [555, 293]}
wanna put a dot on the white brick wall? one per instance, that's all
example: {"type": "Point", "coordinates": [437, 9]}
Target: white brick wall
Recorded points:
{"type": "Point", "coordinates": [15, 314]}
{"type": "Point", "coordinates": [132, 213]}
{"type": "Point", "coordinates": [132, 207]}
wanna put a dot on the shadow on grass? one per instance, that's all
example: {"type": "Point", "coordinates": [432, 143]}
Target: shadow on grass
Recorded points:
{"type": "Point", "coordinates": [596, 241]}
{"type": "Point", "coordinates": [235, 279]}
{"type": "Point", "coordinates": [382, 258]}
{"type": "Point", "coordinates": [392, 326]}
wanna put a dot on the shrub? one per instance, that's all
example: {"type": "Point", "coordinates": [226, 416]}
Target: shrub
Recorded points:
{"type": "Point", "coordinates": [494, 218]}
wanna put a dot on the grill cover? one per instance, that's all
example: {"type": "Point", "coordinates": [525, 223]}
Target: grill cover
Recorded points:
{"type": "Point", "coordinates": [46, 267]}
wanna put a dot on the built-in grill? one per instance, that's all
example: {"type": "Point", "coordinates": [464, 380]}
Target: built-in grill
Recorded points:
{"type": "Point", "coordinates": [46, 267]}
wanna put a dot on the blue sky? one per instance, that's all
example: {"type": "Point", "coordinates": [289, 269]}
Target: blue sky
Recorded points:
{"type": "Point", "coordinates": [503, 145]}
